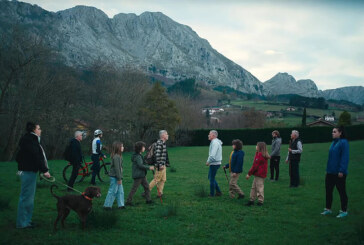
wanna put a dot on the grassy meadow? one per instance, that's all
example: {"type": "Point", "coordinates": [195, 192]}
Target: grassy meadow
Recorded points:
{"type": "Point", "coordinates": [188, 216]}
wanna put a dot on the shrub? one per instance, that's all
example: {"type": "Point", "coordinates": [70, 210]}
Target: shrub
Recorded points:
{"type": "Point", "coordinates": [200, 190]}
{"type": "Point", "coordinates": [168, 210]}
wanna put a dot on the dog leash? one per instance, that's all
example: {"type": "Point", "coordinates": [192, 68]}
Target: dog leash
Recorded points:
{"type": "Point", "coordinates": [53, 180]}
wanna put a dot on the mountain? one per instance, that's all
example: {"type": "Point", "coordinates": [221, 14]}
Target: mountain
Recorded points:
{"type": "Point", "coordinates": [151, 42]}
{"type": "Point", "coordinates": [283, 83]}
{"type": "Point", "coordinates": [353, 94]}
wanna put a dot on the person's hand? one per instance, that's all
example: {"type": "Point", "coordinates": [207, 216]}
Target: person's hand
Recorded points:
{"type": "Point", "coordinates": [161, 167]}
{"type": "Point", "coordinates": [105, 156]}
{"type": "Point", "coordinates": [120, 182]}
{"type": "Point", "coordinates": [286, 161]}
{"type": "Point", "coordinates": [340, 175]}
{"type": "Point", "coordinates": [207, 164]}
{"type": "Point", "coordinates": [151, 168]}
{"type": "Point", "coordinates": [289, 149]}
{"type": "Point", "coordinates": [247, 176]}
{"type": "Point", "coordinates": [234, 174]}
{"type": "Point", "coordinates": [47, 175]}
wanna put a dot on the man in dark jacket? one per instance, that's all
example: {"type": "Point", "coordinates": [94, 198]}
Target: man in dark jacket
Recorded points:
{"type": "Point", "coordinates": [294, 156]}
{"type": "Point", "coordinates": [76, 158]}
{"type": "Point", "coordinates": [31, 158]}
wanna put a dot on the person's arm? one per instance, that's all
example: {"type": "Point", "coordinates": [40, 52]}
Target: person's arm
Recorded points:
{"type": "Point", "coordinates": [344, 161]}
{"type": "Point", "coordinates": [299, 148]}
{"type": "Point", "coordinates": [140, 163]}
{"type": "Point", "coordinates": [212, 153]}
{"type": "Point", "coordinates": [254, 168]}
{"type": "Point", "coordinates": [275, 148]}
{"type": "Point", "coordinates": [118, 169]}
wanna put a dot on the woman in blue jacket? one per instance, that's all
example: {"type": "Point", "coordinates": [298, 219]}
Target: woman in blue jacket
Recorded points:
{"type": "Point", "coordinates": [337, 170]}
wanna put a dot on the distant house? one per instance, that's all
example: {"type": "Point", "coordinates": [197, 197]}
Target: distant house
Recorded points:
{"type": "Point", "coordinates": [320, 123]}
{"type": "Point", "coordinates": [330, 119]}
{"type": "Point", "coordinates": [291, 109]}
{"type": "Point", "coordinates": [213, 110]}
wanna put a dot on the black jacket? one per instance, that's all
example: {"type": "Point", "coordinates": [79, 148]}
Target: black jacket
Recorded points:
{"type": "Point", "coordinates": [30, 156]}
{"type": "Point", "coordinates": [76, 153]}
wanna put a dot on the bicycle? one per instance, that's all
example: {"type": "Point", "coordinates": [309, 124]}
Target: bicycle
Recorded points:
{"type": "Point", "coordinates": [84, 171]}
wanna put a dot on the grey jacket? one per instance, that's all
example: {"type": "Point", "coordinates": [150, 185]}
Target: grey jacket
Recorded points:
{"type": "Point", "coordinates": [116, 168]}
{"type": "Point", "coordinates": [215, 152]}
{"type": "Point", "coordinates": [276, 147]}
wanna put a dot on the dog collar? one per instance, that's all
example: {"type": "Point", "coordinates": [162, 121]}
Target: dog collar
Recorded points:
{"type": "Point", "coordinates": [88, 198]}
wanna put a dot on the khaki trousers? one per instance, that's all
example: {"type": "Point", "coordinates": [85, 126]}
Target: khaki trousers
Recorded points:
{"type": "Point", "coordinates": [233, 186]}
{"type": "Point", "coordinates": [160, 177]}
{"type": "Point", "coordinates": [257, 190]}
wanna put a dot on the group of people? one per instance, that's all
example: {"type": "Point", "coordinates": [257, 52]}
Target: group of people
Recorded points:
{"type": "Point", "coordinates": [31, 159]}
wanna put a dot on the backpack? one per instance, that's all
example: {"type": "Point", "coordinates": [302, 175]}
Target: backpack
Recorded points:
{"type": "Point", "coordinates": [149, 158]}
{"type": "Point", "coordinates": [67, 154]}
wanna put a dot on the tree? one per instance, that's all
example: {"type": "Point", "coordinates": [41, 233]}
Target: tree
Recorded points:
{"type": "Point", "coordinates": [304, 117]}
{"type": "Point", "coordinates": [156, 113]}
{"type": "Point", "coordinates": [344, 119]}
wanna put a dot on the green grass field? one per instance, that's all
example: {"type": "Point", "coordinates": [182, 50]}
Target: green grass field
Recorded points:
{"type": "Point", "coordinates": [289, 216]}
{"type": "Point", "coordinates": [291, 120]}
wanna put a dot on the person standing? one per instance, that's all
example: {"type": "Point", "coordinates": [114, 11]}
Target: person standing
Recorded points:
{"type": "Point", "coordinates": [235, 167]}
{"type": "Point", "coordinates": [139, 173]}
{"type": "Point", "coordinates": [116, 189]}
{"type": "Point", "coordinates": [294, 156]}
{"type": "Point", "coordinates": [275, 155]}
{"type": "Point", "coordinates": [214, 162]}
{"type": "Point", "coordinates": [337, 170]}
{"type": "Point", "coordinates": [31, 159]}
{"type": "Point", "coordinates": [75, 157]}
{"type": "Point", "coordinates": [161, 163]}
{"type": "Point", "coordinates": [259, 170]}
{"type": "Point", "coordinates": [96, 154]}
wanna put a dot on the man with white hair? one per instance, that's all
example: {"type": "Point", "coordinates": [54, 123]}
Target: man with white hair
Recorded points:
{"type": "Point", "coordinates": [294, 157]}
{"type": "Point", "coordinates": [75, 158]}
{"type": "Point", "coordinates": [161, 162]}
{"type": "Point", "coordinates": [214, 162]}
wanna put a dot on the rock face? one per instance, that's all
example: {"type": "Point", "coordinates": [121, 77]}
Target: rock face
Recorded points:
{"type": "Point", "coordinates": [151, 41]}
{"type": "Point", "coordinates": [353, 94]}
{"type": "Point", "coordinates": [283, 83]}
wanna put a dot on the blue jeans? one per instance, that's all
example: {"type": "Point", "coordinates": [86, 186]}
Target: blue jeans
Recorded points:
{"type": "Point", "coordinates": [115, 191]}
{"type": "Point", "coordinates": [95, 167]}
{"type": "Point", "coordinates": [213, 184]}
{"type": "Point", "coordinates": [26, 199]}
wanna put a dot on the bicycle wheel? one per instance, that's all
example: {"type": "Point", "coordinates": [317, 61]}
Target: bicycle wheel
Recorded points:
{"type": "Point", "coordinates": [67, 171]}
{"type": "Point", "coordinates": [104, 172]}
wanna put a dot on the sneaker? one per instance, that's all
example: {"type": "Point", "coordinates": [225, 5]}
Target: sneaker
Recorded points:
{"type": "Point", "coordinates": [250, 203]}
{"type": "Point", "coordinates": [259, 204]}
{"type": "Point", "coordinates": [149, 202]}
{"type": "Point", "coordinates": [326, 211]}
{"type": "Point", "coordinates": [129, 204]}
{"type": "Point", "coordinates": [121, 207]}
{"type": "Point", "coordinates": [342, 214]}
{"type": "Point", "coordinates": [218, 194]}
{"type": "Point", "coordinates": [241, 196]}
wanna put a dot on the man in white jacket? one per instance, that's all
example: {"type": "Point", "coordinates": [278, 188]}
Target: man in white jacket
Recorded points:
{"type": "Point", "coordinates": [214, 161]}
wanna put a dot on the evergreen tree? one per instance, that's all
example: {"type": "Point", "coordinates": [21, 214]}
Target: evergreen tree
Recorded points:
{"type": "Point", "coordinates": [304, 118]}
{"type": "Point", "coordinates": [344, 119]}
{"type": "Point", "coordinates": [157, 112]}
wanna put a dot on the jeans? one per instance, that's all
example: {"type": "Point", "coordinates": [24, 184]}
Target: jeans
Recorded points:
{"type": "Point", "coordinates": [75, 169]}
{"type": "Point", "coordinates": [331, 181]}
{"type": "Point", "coordinates": [115, 191]}
{"type": "Point", "coordinates": [213, 183]}
{"type": "Point", "coordinates": [137, 182]}
{"type": "Point", "coordinates": [295, 175]}
{"type": "Point", "coordinates": [95, 167]}
{"type": "Point", "coordinates": [26, 199]}
{"type": "Point", "coordinates": [274, 165]}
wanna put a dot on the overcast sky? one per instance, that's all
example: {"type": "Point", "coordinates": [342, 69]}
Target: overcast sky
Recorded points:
{"type": "Point", "coordinates": [318, 40]}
